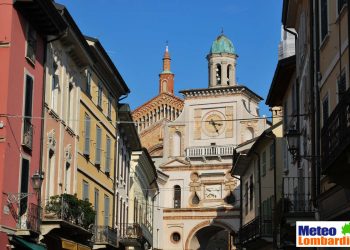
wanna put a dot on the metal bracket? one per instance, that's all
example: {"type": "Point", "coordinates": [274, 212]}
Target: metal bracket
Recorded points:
{"type": "Point", "coordinates": [16, 197]}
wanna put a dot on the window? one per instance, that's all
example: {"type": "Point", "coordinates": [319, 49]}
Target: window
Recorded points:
{"type": "Point", "coordinates": [55, 86]}
{"type": "Point", "coordinates": [229, 74]}
{"type": "Point", "coordinates": [88, 83]}
{"type": "Point", "coordinates": [67, 178]}
{"type": "Point", "coordinates": [285, 116]}
{"type": "Point", "coordinates": [87, 135]}
{"type": "Point", "coordinates": [23, 205]}
{"type": "Point", "coordinates": [99, 96]}
{"type": "Point", "coordinates": [108, 154]}
{"type": "Point", "coordinates": [31, 44]}
{"type": "Point", "coordinates": [109, 108]}
{"type": "Point", "coordinates": [177, 196]}
{"type": "Point", "coordinates": [341, 4]}
{"type": "Point", "coordinates": [341, 85]}
{"type": "Point", "coordinates": [96, 200]}
{"type": "Point", "coordinates": [98, 146]}
{"type": "Point", "coordinates": [28, 128]}
{"type": "Point", "coordinates": [175, 237]}
{"type": "Point", "coordinates": [85, 190]}
{"type": "Point", "coordinates": [218, 74]}
{"type": "Point", "coordinates": [50, 175]}
{"type": "Point", "coordinates": [251, 192]}
{"type": "Point", "coordinates": [70, 108]}
{"type": "Point", "coordinates": [272, 155]}
{"type": "Point", "coordinates": [325, 110]}
{"type": "Point", "coordinates": [106, 211]}
{"type": "Point", "coordinates": [246, 197]}
{"type": "Point", "coordinates": [324, 19]}
{"type": "Point", "coordinates": [263, 163]}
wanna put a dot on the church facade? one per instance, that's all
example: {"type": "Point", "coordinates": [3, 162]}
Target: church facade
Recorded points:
{"type": "Point", "coordinates": [199, 205]}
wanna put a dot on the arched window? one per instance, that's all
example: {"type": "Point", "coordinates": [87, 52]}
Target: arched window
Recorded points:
{"type": "Point", "coordinates": [164, 86]}
{"type": "Point", "coordinates": [229, 74]}
{"type": "Point", "coordinates": [218, 74]}
{"type": "Point", "coordinates": [177, 144]}
{"type": "Point", "coordinates": [177, 196]}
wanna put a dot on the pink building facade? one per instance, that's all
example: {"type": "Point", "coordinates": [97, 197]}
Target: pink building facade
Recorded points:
{"type": "Point", "coordinates": [26, 26]}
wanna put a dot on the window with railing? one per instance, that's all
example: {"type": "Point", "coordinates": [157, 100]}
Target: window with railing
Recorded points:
{"type": "Point", "coordinates": [28, 102]}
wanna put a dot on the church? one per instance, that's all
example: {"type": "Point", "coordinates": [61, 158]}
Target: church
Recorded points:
{"type": "Point", "coordinates": [192, 140]}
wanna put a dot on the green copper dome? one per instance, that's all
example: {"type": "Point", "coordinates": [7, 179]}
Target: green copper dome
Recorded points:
{"type": "Point", "coordinates": [222, 45]}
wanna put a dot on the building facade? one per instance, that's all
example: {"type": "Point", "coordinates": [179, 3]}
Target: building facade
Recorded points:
{"type": "Point", "coordinates": [23, 38]}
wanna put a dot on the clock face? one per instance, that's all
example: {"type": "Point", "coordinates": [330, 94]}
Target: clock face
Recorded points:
{"type": "Point", "coordinates": [214, 124]}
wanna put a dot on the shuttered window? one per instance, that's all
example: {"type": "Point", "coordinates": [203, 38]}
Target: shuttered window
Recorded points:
{"type": "Point", "coordinates": [85, 190]}
{"type": "Point", "coordinates": [98, 145]}
{"type": "Point", "coordinates": [87, 135]}
{"type": "Point", "coordinates": [106, 211]}
{"type": "Point", "coordinates": [24, 186]}
{"type": "Point", "coordinates": [108, 154]}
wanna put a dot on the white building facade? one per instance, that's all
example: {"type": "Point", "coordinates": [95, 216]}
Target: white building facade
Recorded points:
{"type": "Point", "coordinates": [200, 199]}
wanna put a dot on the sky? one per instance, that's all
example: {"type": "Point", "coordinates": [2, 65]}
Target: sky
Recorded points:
{"type": "Point", "coordinates": [134, 33]}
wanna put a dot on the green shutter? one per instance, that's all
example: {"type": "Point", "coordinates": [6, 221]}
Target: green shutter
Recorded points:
{"type": "Point", "coordinates": [98, 145]}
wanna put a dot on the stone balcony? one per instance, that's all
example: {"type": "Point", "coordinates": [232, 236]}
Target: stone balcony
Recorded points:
{"type": "Point", "coordinates": [212, 151]}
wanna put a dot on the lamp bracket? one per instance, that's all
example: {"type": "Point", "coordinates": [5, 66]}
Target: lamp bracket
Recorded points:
{"type": "Point", "coordinates": [16, 197]}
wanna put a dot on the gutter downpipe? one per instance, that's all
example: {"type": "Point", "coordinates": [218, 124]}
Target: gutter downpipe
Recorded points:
{"type": "Point", "coordinates": [116, 161]}
{"type": "Point", "coordinates": [317, 142]}
{"type": "Point", "coordinates": [259, 178]}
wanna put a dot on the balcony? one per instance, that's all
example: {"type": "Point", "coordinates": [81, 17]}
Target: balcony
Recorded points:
{"type": "Point", "coordinates": [30, 221]}
{"type": "Point", "coordinates": [131, 234]}
{"type": "Point", "coordinates": [205, 152]}
{"type": "Point", "coordinates": [335, 136]}
{"type": "Point", "coordinates": [256, 233]}
{"type": "Point", "coordinates": [105, 236]}
{"type": "Point", "coordinates": [296, 198]}
{"type": "Point", "coordinates": [27, 134]}
{"type": "Point", "coordinates": [67, 215]}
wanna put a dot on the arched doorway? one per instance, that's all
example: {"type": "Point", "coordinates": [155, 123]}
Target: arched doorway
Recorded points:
{"type": "Point", "coordinates": [211, 237]}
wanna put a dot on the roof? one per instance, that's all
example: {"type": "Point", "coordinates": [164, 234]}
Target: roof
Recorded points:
{"type": "Point", "coordinates": [222, 45]}
{"type": "Point", "coordinates": [127, 127]}
{"type": "Point", "coordinates": [42, 14]}
{"type": "Point", "coordinates": [110, 64]}
{"type": "Point", "coordinates": [283, 73]}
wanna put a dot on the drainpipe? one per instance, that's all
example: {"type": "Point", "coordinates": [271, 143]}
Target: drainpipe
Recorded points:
{"type": "Point", "coordinates": [318, 102]}
{"type": "Point", "coordinates": [259, 178]}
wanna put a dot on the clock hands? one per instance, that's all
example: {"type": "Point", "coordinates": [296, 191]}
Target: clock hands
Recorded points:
{"type": "Point", "coordinates": [215, 125]}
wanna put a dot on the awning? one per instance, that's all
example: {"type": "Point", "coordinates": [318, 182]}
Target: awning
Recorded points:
{"type": "Point", "coordinates": [24, 244]}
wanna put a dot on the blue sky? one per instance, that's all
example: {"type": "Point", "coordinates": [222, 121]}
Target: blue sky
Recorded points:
{"type": "Point", "coordinates": [134, 33]}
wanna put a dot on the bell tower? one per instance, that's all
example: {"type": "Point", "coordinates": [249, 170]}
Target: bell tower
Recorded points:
{"type": "Point", "coordinates": [166, 77]}
{"type": "Point", "coordinates": [222, 63]}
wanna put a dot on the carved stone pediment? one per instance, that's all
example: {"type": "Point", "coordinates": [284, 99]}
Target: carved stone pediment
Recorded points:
{"type": "Point", "coordinates": [68, 155]}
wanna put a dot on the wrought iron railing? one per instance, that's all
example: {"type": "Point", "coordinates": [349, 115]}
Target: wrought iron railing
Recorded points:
{"type": "Point", "coordinates": [30, 220]}
{"type": "Point", "coordinates": [70, 209]}
{"type": "Point", "coordinates": [296, 195]}
{"type": "Point", "coordinates": [258, 227]}
{"type": "Point", "coordinates": [130, 231]}
{"type": "Point", "coordinates": [105, 235]}
{"type": "Point", "coordinates": [214, 150]}
{"type": "Point", "coordinates": [336, 132]}
{"type": "Point", "coordinates": [27, 134]}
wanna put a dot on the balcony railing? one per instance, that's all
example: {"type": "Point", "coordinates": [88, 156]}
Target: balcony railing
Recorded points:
{"type": "Point", "coordinates": [105, 235]}
{"type": "Point", "coordinates": [31, 219]}
{"type": "Point", "coordinates": [130, 231]}
{"type": "Point", "coordinates": [296, 194]}
{"type": "Point", "coordinates": [27, 134]}
{"type": "Point", "coordinates": [255, 229]}
{"type": "Point", "coordinates": [209, 151]}
{"type": "Point", "coordinates": [336, 132]}
{"type": "Point", "coordinates": [70, 209]}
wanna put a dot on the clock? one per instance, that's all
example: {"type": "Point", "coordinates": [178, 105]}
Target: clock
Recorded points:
{"type": "Point", "coordinates": [213, 123]}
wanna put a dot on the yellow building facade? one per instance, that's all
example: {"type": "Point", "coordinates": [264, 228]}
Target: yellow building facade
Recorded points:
{"type": "Point", "coordinates": [96, 166]}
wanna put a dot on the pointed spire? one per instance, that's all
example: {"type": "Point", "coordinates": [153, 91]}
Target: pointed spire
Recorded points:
{"type": "Point", "coordinates": [166, 59]}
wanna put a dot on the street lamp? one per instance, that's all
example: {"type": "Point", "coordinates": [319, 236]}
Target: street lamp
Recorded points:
{"type": "Point", "coordinates": [37, 180]}
{"type": "Point", "coordinates": [292, 137]}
